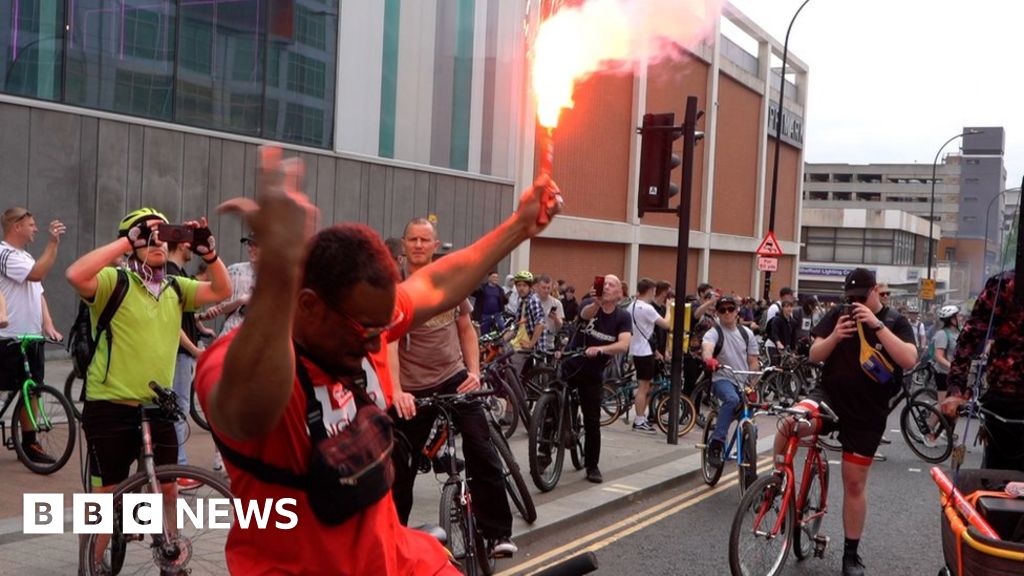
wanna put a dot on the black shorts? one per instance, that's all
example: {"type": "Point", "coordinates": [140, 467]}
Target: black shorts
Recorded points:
{"type": "Point", "coordinates": [646, 367]}
{"type": "Point", "coordinates": [115, 441]}
{"type": "Point", "coordinates": [857, 440]}
{"type": "Point", "coordinates": [940, 381]}
{"type": "Point", "coordinates": [12, 365]}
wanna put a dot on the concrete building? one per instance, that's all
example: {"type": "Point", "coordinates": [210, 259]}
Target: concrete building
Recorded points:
{"type": "Point", "coordinates": [892, 243]}
{"type": "Point", "coordinates": [596, 163]}
{"type": "Point", "coordinates": [399, 109]}
{"type": "Point", "coordinates": [965, 184]}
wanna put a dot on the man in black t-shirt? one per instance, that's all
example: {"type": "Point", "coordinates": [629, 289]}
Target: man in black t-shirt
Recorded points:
{"type": "Point", "coordinates": [860, 398]}
{"type": "Point", "coordinates": [606, 333]}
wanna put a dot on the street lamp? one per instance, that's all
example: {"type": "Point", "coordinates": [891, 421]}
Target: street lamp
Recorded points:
{"type": "Point", "coordinates": [931, 211]}
{"type": "Point", "coordinates": [778, 142]}
{"type": "Point", "coordinates": [988, 212]}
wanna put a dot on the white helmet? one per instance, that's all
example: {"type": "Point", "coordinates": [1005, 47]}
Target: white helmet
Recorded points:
{"type": "Point", "coordinates": [948, 311]}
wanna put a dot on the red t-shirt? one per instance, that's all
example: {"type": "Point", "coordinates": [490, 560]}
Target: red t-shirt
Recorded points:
{"type": "Point", "coordinates": [372, 542]}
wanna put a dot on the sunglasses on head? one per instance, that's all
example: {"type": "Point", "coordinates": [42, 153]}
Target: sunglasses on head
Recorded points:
{"type": "Point", "coordinates": [22, 217]}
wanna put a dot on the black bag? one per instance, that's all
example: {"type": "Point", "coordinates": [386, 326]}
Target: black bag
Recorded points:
{"type": "Point", "coordinates": [81, 341]}
{"type": "Point", "coordinates": [349, 471]}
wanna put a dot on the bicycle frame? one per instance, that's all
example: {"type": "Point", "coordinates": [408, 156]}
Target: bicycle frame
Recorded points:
{"type": "Point", "coordinates": [29, 383]}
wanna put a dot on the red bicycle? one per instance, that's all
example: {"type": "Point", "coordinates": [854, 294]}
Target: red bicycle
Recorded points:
{"type": "Point", "coordinates": [773, 517]}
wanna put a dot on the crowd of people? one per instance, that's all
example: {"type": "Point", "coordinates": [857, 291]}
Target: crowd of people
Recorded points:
{"type": "Point", "coordinates": [342, 328]}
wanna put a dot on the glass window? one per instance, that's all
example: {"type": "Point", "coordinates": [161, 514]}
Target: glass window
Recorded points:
{"type": "Point", "coordinates": [121, 56]}
{"type": "Point", "coordinates": [849, 245]}
{"type": "Point", "coordinates": [232, 83]}
{"type": "Point", "coordinates": [299, 103]}
{"type": "Point", "coordinates": [31, 48]}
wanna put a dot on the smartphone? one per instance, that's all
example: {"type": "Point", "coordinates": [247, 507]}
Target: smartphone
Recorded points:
{"type": "Point", "coordinates": [599, 286]}
{"type": "Point", "coordinates": [845, 310]}
{"type": "Point", "coordinates": [174, 233]}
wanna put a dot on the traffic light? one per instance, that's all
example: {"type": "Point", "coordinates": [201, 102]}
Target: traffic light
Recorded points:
{"type": "Point", "coordinates": [657, 162]}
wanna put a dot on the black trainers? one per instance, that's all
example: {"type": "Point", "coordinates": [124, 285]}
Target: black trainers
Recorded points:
{"type": "Point", "coordinates": [594, 475]}
{"type": "Point", "coordinates": [35, 453]}
{"type": "Point", "coordinates": [715, 454]}
{"type": "Point", "coordinates": [852, 566]}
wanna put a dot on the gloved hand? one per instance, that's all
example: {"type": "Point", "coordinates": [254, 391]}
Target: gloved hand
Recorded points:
{"type": "Point", "coordinates": [711, 364]}
{"type": "Point", "coordinates": [139, 234]}
{"type": "Point", "coordinates": [204, 243]}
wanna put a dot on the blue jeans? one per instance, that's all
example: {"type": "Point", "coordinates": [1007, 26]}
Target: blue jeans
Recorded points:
{"type": "Point", "coordinates": [184, 365]}
{"type": "Point", "coordinates": [726, 392]}
{"type": "Point", "coordinates": [491, 322]}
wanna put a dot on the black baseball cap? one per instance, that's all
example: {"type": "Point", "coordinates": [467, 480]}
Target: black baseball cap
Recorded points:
{"type": "Point", "coordinates": [726, 300]}
{"type": "Point", "coordinates": [859, 282]}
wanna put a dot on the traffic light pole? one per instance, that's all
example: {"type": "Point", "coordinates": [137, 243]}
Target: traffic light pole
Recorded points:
{"type": "Point", "coordinates": [683, 250]}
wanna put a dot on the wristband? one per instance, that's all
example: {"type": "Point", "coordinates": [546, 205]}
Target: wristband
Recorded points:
{"type": "Point", "coordinates": [212, 260]}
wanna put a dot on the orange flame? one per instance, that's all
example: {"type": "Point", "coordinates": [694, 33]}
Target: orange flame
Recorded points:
{"type": "Point", "coordinates": [609, 36]}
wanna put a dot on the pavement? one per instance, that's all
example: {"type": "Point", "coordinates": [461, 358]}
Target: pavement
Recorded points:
{"type": "Point", "coordinates": [634, 465]}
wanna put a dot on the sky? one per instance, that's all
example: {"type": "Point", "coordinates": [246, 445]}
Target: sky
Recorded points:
{"type": "Point", "coordinates": [891, 80]}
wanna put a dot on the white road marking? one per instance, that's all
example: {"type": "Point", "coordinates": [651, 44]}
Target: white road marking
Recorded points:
{"type": "Point", "coordinates": [834, 462]}
{"type": "Point", "coordinates": [914, 470]}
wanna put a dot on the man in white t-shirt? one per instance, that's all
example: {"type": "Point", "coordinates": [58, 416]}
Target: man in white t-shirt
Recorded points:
{"type": "Point", "coordinates": [645, 318]}
{"type": "Point", "coordinates": [554, 314]}
{"type": "Point", "coordinates": [21, 287]}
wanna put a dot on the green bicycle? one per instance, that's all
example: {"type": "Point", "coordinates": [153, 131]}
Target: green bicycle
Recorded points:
{"type": "Point", "coordinates": [43, 427]}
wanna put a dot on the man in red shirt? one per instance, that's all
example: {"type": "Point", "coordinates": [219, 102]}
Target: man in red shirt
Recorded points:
{"type": "Point", "coordinates": [338, 300]}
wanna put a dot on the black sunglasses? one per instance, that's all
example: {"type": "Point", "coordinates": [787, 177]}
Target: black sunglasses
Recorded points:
{"type": "Point", "coordinates": [727, 309]}
{"type": "Point", "coordinates": [884, 293]}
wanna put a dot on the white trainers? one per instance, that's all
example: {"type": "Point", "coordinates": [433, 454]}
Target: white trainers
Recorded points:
{"type": "Point", "coordinates": [504, 547]}
{"type": "Point", "coordinates": [644, 427]}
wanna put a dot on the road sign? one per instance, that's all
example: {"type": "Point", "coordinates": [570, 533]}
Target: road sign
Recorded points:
{"type": "Point", "coordinates": [768, 264]}
{"type": "Point", "coordinates": [769, 247]}
{"type": "Point", "coordinates": [927, 290]}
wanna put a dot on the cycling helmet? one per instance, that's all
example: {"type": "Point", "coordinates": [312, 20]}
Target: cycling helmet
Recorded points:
{"type": "Point", "coordinates": [136, 216]}
{"type": "Point", "coordinates": [523, 276]}
{"type": "Point", "coordinates": [947, 312]}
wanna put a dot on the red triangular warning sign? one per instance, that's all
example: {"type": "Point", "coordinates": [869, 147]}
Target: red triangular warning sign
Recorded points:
{"type": "Point", "coordinates": [769, 246]}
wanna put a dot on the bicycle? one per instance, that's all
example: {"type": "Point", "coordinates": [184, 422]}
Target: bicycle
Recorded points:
{"type": "Point", "coordinates": [772, 516]}
{"type": "Point", "coordinates": [45, 410]}
{"type": "Point", "coordinates": [743, 436]}
{"type": "Point", "coordinates": [924, 428]}
{"type": "Point", "coordinates": [556, 425]}
{"type": "Point", "coordinates": [173, 550]}
{"type": "Point", "coordinates": [619, 396]}
{"type": "Point", "coordinates": [464, 539]}
{"type": "Point", "coordinates": [509, 405]}
{"type": "Point", "coordinates": [515, 485]}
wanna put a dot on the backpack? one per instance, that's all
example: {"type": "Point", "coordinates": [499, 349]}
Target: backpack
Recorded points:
{"type": "Point", "coordinates": [931, 343]}
{"type": "Point", "coordinates": [720, 342]}
{"type": "Point", "coordinates": [81, 339]}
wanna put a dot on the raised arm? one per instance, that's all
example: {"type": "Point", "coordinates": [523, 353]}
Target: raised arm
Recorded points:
{"type": "Point", "coordinates": [444, 283]}
{"type": "Point", "coordinates": [45, 262]}
{"type": "Point", "coordinates": [82, 272]}
{"type": "Point", "coordinates": [259, 368]}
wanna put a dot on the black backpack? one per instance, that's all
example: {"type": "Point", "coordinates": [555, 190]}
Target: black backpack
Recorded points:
{"type": "Point", "coordinates": [81, 340]}
{"type": "Point", "coordinates": [744, 331]}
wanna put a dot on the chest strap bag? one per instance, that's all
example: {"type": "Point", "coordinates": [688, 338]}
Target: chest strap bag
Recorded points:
{"type": "Point", "coordinates": [347, 472]}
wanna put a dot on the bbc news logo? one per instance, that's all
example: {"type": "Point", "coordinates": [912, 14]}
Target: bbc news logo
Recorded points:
{"type": "Point", "coordinates": [144, 513]}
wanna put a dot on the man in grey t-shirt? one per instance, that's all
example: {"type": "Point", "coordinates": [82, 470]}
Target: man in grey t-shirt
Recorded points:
{"type": "Point", "coordinates": [738, 350]}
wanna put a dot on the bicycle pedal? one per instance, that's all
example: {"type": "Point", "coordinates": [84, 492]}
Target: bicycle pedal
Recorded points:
{"type": "Point", "coordinates": [820, 544]}
{"type": "Point", "coordinates": [700, 446]}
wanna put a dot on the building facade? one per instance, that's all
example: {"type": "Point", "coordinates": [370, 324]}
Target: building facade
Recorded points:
{"type": "Point", "coordinates": [399, 109]}
{"type": "Point", "coordinates": [597, 156]}
{"type": "Point", "coordinates": [965, 187]}
{"type": "Point", "coordinates": [892, 243]}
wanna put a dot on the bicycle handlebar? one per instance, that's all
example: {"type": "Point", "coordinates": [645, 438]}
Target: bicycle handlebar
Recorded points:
{"type": "Point", "coordinates": [458, 398]}
{"type": "Point", "coordinates": [804, 413]}
{"type": "Point", "coordinates": [167, 400]}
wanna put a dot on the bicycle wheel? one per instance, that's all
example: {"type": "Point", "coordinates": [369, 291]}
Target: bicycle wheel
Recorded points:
{"type": "Point", "coordinates": [516, 387]}
{"type": "Point", "coordinates": [687, 414]}
{"type": "Point", "coordinates": [546, 448]}
{"type": "Point", "coordinates": [748, 470]}
{"type": "Point", "coordinates": [926, 395]}
{"type": "Point", "coordinates": [703, 400]}
{"type": "Point", "coordinates": [195, 409]}
{"type": "Point", "coordinates": [196, 549]}
{"type": "Point", "coordinates": [457, 526]}
{"type": "Point", "coordinates": [611, 403]}
{"type": "Point", "coordinates": [69, 393]}
{"type": "Point", "coordinates": [755, 549]}
{"type": "Point", "coordinates": [574, 436]}
{"type": "Point", "coordinates": [515, 485]}
{"type": "Point", "coordinates": [711, 473]}
{"type": "Point", "coordinates": [55, 428]}
{"type": "Point", "coordinates": [927, 432]}
{"type": "Point", "coordinates": [813, 510]}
